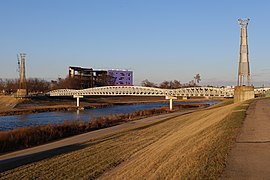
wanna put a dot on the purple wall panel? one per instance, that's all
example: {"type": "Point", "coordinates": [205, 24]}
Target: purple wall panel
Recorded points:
{"type": "Point", "coordinates": [121, 77]}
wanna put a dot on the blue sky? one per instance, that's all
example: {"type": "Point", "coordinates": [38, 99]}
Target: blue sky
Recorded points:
{"type": "Point", "coordinates": [157, 39]}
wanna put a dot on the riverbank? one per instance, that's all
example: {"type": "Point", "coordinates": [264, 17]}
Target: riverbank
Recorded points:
{"type": "Point", "coordinates": [37, 109]}
{"type": "Point", "coordinates": [11, 106]}
{"type": "Point", "coordinates": [192, 146]}
{"type": "Point", "coordinates": [26, 137]}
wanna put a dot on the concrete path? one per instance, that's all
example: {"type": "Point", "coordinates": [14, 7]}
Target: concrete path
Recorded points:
{"type": "Point", "coordinates": [18, 158]}
{"type": "Point", "coordinates": [250, 157]}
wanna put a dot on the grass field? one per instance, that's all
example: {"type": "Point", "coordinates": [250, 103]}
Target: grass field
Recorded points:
{"type": "Point", "coordinates": [191, 146]}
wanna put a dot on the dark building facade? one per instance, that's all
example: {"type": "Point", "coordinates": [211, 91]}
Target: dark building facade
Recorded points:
{"type": "Point", "coordinates": [89, 78]}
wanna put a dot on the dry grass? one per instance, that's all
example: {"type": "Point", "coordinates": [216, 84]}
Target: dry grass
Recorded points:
{"type": "Point", "coordinates": [192, 146]}
{"type": "Point", "coordinates": [225, 102]}
{"type": "Point", "coordinates": [21, 138]}
{"type": "Point", "coordinates": [8, 102]}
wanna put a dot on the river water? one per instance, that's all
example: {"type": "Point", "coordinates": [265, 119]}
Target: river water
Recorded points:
{"type": "Point", "coordinates": [12, 122]}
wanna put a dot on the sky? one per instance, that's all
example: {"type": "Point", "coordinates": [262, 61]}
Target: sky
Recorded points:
{"type": "Point", "coordinates": [157, 39]}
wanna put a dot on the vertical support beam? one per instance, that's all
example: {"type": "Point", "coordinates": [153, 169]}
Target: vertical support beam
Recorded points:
{"type": "Point", "coordinates": [171, 101]}
{"type": "Point", "coordinates": [78, 99]}
{"type": "Point", "coordinates": [184, 98]}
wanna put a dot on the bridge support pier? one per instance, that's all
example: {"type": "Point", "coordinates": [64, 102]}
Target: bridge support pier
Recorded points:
{"type": "Point", "coordinates": [171, 101]}
{"type": "Point", "coordinates": [78, 99]}
{"type": "Point", "coordinates": [242, 93]}
{"type": "Point", "coordinates": [184, 98]}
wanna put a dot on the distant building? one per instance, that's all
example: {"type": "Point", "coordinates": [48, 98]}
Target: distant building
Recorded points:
{"type": "Point", "coordinates": [89, 77]}
{"type": "Point", "coordinates": [121, 77]}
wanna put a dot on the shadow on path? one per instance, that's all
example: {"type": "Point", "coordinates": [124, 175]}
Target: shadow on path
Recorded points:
{"type": "Point", "coordinates": [22, 160]}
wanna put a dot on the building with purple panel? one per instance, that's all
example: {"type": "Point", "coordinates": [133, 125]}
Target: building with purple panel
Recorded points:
{"type": "Point", "coordinates": [89, 77]}
{"type": "Point", "coordinates": [121, 77]}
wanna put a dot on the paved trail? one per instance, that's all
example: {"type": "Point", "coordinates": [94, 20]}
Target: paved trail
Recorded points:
{"type": "Point", "coordinates": [250, 157]}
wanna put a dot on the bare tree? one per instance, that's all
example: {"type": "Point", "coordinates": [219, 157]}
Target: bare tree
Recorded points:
{"type": "Point", "coordinates": [37, 85]}
{"type": "Point", "coordinates": [176, 84]}
{"type": "Point", "coordinates": [104, 80]}
{"type": "Point", "coordinates": [170, 84]}
{"type": "Point", "coordinates": [147, 83]}
{"type": "Point", "coordinates": [197, 79]}
{"type": "Point", "coordinates": [191, 83]}
{"type": "Point", "coordinates": [165, 85]}
{"type": "Point", "coordinates": [67, 83]}
{"type": "Point", "coordinates": [11, 85]}
{"type": "Point", "coordinates": [2, 86]}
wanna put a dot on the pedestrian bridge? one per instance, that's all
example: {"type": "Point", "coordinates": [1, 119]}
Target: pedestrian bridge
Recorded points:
{"type": "Point", "coordinates": [149, 91]}
{"type": "Point", "coordinates": [146, 91]}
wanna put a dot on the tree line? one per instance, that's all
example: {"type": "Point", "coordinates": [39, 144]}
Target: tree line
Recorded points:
{"type": "Point", "coordinates": [9, 86]}
{"type": "Point", "coordinates": [175, 84]}
{"type": "Point", "coordinates": [38, 85]}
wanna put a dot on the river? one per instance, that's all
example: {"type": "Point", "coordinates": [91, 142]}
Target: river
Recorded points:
{"type": "Point", "coordinates": [12, 122]}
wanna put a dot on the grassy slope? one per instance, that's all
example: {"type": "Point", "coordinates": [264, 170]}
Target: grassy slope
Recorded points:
{"type": "Point", "coordinates": [189, 146]}
{"type": "Point", "coordinates": [8, 102]}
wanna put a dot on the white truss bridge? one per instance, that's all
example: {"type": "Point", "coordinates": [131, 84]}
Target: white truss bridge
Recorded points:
{"type": "Point", "coordinates": [146, 91]}
{"type": "Point", "coordinates": [149, 91]}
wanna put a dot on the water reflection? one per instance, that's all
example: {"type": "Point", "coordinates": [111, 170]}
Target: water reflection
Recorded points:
{"type": "Point", "coordinates": [78, 114]}
{"type": "Point", "coordinates": [23, 117]}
